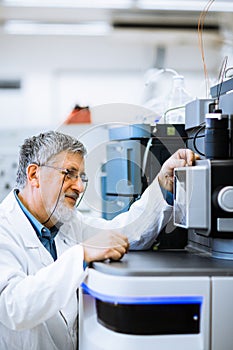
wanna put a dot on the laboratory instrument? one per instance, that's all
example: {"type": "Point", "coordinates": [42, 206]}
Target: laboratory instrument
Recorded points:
{"type": "Point", "coordinates": [176, 298]}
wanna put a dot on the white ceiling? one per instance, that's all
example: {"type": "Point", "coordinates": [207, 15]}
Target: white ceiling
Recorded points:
{"type": "Point", "coordinates": [43, 41]}
{"type": "Point", "coordinates": [116, 15]}
{"type": "Point", "coordinates": [122, 26]}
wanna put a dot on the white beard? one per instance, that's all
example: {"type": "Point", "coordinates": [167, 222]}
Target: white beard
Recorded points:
{"type": "Point", "coordinates": [63, 213]}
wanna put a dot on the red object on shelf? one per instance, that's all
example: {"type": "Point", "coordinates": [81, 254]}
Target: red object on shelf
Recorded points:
{"type": "Point", "coordinates": [79, 115]}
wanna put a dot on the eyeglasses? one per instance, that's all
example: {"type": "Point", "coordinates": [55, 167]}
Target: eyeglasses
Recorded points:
{"type": "Point", "coordinates": [72, 175]}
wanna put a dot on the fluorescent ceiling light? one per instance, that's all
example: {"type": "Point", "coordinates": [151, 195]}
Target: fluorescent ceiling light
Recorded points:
{"type": "Point", "coordinates": [34, 28]}
{"type": "Point", "coordinates": [71, 3]}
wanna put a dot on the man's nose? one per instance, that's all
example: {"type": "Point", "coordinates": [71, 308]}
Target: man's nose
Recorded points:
{"type": "Point", "coordinates": [79, 184]}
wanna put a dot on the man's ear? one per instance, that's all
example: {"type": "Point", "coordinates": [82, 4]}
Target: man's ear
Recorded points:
{"type": "Point", "coordinates": [32, 174]}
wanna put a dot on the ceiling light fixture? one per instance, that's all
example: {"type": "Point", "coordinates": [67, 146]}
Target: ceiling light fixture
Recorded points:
{"type": "Point", "coordinates": [38, 28]}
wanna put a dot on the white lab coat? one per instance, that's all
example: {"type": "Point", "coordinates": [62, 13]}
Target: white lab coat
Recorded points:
{"type": "Point", "coordinates": [38, 303]}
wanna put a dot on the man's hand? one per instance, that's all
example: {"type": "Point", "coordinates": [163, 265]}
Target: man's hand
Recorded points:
{"type": "Point", "coordinates": [105, 245]}
{"type": "Point", "coordinates": [181, 158]}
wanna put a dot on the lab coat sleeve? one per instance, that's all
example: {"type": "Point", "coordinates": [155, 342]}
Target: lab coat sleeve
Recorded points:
{"type": "Point", "coordinates": [142, 223]}
{"type": "Point", "coordinates": [28, 300]}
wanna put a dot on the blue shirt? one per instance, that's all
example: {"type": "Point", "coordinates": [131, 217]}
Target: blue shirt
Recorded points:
{"type": "Point", "coordinates": [45, 235]}
{"type": "Point", "coordinates": [168, 196]}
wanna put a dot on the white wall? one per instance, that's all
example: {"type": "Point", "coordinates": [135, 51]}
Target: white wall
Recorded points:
{"type": "Point", "coordinates": [58, 71]}
{"type": "Point", "coordinates": [107, 73]}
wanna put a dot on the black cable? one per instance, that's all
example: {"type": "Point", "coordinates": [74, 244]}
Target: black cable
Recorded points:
{"type": "Point", "coordinates": [76, 205]}
{"type": "Point", "coordinates": [58, 197]}
{"type": "Point", "coordinates": [194, 140]}
{"type": "Point", "coordinates": [59, 194]}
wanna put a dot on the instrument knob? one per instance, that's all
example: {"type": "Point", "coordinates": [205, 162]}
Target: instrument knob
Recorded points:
{"type": "Point", "coordinates": [225, 199]}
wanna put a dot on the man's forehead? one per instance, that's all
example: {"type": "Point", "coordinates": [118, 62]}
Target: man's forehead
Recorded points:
{"type": "Point", "coordinates": [66, 156]}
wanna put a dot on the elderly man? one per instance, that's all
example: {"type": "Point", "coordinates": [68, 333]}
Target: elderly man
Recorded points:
{"type": "Point", "coordinates": [46, 244]}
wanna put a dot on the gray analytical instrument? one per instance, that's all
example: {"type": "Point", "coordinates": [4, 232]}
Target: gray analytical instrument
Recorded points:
{"type": "Point", "coordinates": [203, 204]}
{"type": "Point", "coordinates": [176, 299]}
{"type": "Point", "coordinates": [203, 201]}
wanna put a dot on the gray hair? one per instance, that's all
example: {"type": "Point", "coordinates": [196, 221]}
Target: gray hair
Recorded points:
{"type": "Point", "coordinates": [41, 148]}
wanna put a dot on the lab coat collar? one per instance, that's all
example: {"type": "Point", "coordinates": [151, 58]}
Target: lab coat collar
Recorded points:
{"type": "Point", "coordinates": [18, 219]}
